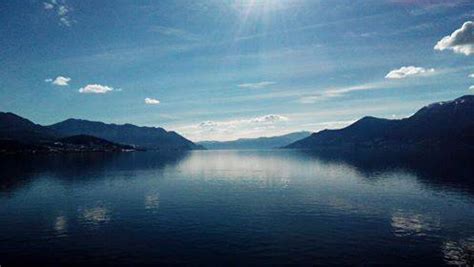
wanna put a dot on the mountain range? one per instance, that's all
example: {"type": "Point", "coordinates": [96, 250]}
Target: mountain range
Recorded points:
{"type": "Point", "coordinates": [20, 134]}
{"type": "Point", "coordinates": [442, 125]}
{"type": "Point", "coordinates": [143, 137]}
{"type": "Point", "coordinates": [256, 143]}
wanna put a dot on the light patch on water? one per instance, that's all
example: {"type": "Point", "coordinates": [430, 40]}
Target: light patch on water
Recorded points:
{"type": "Point", "coordinates": [413, 224]}
{"type": "Point", "coordinates": [459, 253]}
{"type": "Point", "coordinates": [96, 215]}
{"type": "Point", "coordinates": [351, 206]}
{"type": "Point", "coordinates": [60, 225]}
{"type": "Point", "coordinates": [152, 202]}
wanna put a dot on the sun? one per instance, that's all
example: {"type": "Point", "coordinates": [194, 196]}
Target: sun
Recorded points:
{"type": "Point", "coordinates": [262, 11]}
{"type": "Point", "coordinates": [261, 6]}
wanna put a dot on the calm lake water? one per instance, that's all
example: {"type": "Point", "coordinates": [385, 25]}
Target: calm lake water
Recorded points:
{"type": "Point", "coordinates": [235, 207]}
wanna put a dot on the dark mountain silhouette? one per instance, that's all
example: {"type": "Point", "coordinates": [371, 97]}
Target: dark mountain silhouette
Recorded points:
{"type": "Point", "coordinates": [14, 127]}
{"type": "Point", "coordinates": [256, 143]}
{"type": "Point", "coordinates": [18, 134]}
{"type": "Point", "coordinates": [443, 125]}
{"type": "Point", "coordinates": [143, 137]}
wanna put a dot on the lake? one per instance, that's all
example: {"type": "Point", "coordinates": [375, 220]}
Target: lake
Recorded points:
{"type": "Point", "coordinates": [236, 207]}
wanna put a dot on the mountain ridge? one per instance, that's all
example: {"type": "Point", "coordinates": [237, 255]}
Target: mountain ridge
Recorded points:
{"type": "Point", "coordinates": [256, 143]}
{"type": "Point", "coordinates": [155, 138]}
{"type": "Point", "coordinates": [13, 126]}
{"type": "Point", "coordinates": [76, 134]}
{"type": "Point", "coordinates": [441, 124]}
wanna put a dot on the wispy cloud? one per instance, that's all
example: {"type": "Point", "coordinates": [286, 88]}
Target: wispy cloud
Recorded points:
{"type": "Point", "coordinates": [175, 32]}
{"type": "Point", "coordinates": [95, 89]}
{"type": "Point", "coordinates": [59, 81]}
{"type": "Point", "coordinates": [461, 41]}
{"type": "Point", "coordinates": [340, 91]}
{"type": "Point", "coordinates": [471, 75]}
{"type": "Point", "coordinates": [376, 85]}
{"type": "Point", "coordinates": [408, 71]}
{"type": "Point", "coordinates": [130, 55]}
{"type": "Point", "coordinates": [315, 26]}
{"type": "Point", "coordinates": [430, 3]}
{"type": "Point", "coordinates": [257, 85]}
{"type": "Point", "coordinates": [471, 87]}
{"type": "Point", "coordinates": [152, 101]}
{"type": "Point", "coordinates": [61, 9]}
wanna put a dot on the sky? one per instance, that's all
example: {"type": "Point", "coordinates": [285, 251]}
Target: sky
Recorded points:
{"type": "Point", "coordinates": [228, 69]}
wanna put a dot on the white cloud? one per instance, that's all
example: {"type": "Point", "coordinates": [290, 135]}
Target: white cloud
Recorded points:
{"type": "Point", "coordinates": [61, 9]}
{"type": "Point", "coordinates": [258, 85]}
{"type": "Point", "coordinates": [62, 81]}
{"type": "Point", "coordinates": [408, 71]}
{"type": "Point", "coordinates": [59, 81]}
{"type": "Point", "coordinates": [95, 89]}
{"type": "Point", "coordinates": [207, 124]}
{"type": "Point", "coordinates": [48, 6]}
{"type": "Point", "coordinates": [230, 129]}
{"type": "Point", "coordinates": [471, 75]}
{"type": "Point", "coordinates": [266, 119]}
{"type": "Point", "coordinates": [471, 87]}
{"type": "Point", "coordinates": [271, 118]}
{"type": "Point", "coordinates": [461, 41]}
{"type": "Point", "coordinates": [65, 21]}
{"type": "Point", "coordinates": [151, 101]}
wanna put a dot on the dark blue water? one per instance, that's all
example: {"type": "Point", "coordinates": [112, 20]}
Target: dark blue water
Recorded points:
{"type": "Point", "coordinates": [235, 207]}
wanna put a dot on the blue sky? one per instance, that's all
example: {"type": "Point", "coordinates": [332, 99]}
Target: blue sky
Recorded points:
{"type": "Point", "coordinates": [226, 69]}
